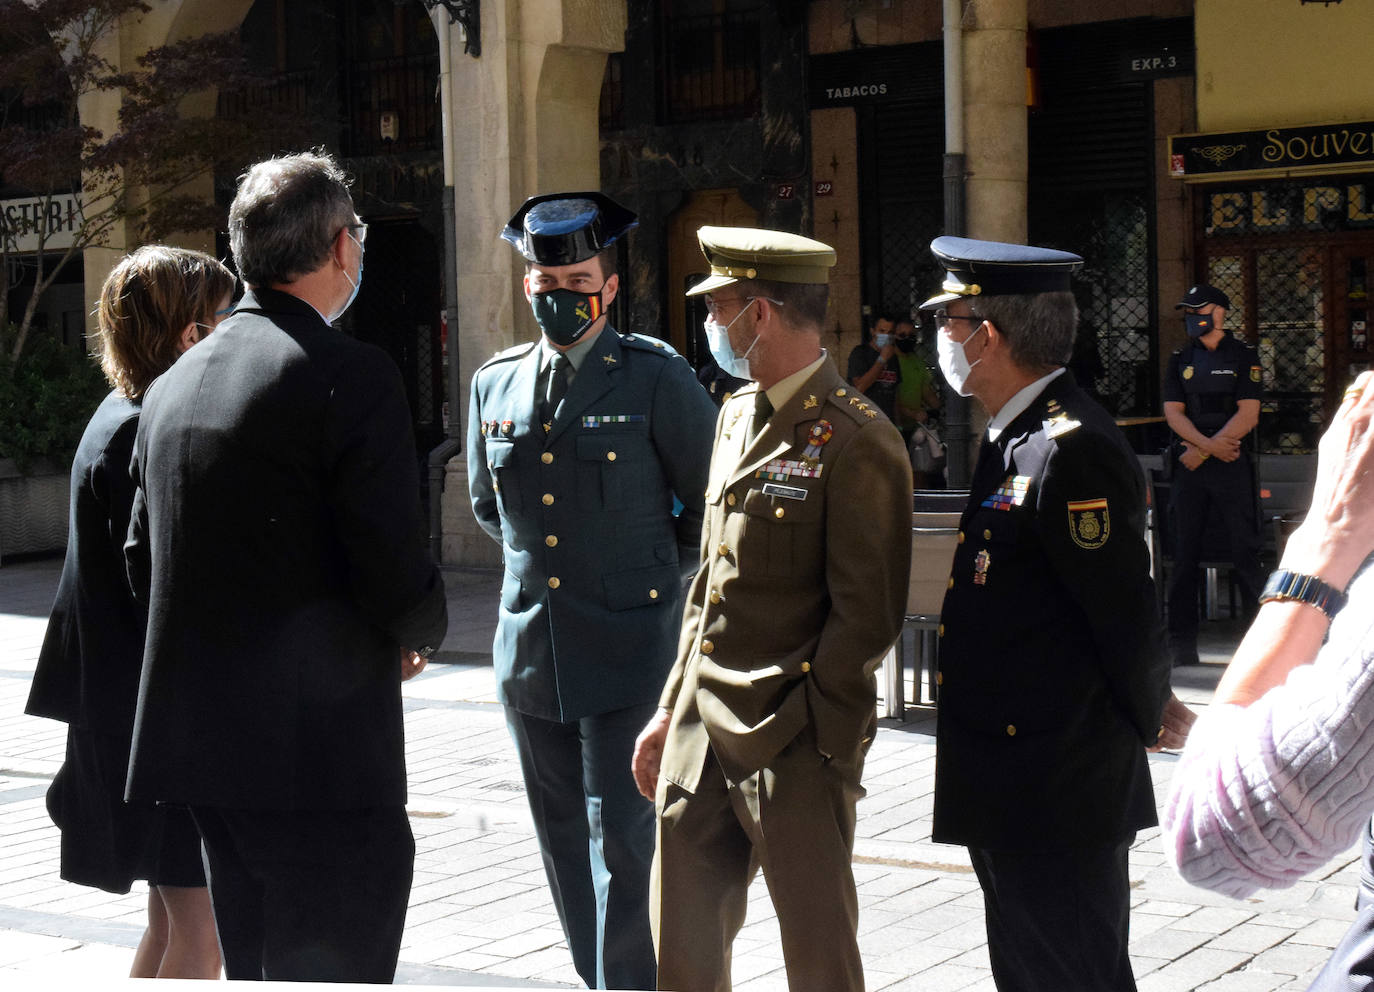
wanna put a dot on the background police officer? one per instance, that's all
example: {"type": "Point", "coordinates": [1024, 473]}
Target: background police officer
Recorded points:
{"type": "Point", "coordinates": [577, 445]}
{"type": "Point", "coordinates": [1212, 398]}
{"type": "Point", "coordinates": [1053, 673]}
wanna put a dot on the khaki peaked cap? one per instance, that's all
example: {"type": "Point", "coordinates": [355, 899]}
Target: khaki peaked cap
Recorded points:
{"type": "Point", "coordinates": [752, 253]}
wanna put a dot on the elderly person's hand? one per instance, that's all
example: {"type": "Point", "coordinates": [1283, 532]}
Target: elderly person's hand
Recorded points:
{"type": "Point", "coordinates": [1338, 531]}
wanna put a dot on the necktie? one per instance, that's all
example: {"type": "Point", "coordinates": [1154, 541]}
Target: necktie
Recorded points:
{"type": "Point", "coordinates": [987, 473]}
{"type": "Point", "coordinates": [556, 390]}
{"type": "Point", "coordinates": [762, 411]}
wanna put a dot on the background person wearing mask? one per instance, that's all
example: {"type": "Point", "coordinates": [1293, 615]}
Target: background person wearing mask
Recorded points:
{"type": "Point", "coordinates": [278, 541]}
{"type": "Point", "coordinates": [873, 368]}
{"type": "Point", "coordinates": [156, 303]}
{"type": "Point", "coordinates": [577, 445]}
{"type": "Point", "coordinates": [1212, 395]}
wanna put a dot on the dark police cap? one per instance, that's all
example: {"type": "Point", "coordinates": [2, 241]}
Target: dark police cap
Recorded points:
{"type": "Point", "coordinates": [563, 228]}
{"type": "Point", "coordinates": [1203, 294]}
{"type": "Point", "coordinates": [994, 268]}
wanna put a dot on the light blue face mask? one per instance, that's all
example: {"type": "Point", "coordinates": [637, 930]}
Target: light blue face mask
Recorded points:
{"type": "Point", "coordinates": [718, 340]}
{"type": "Point", "coordinates": [355, 283]}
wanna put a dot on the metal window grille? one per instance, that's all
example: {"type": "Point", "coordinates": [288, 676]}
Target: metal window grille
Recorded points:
{"type": "Point", "coordinates": [710, 66]}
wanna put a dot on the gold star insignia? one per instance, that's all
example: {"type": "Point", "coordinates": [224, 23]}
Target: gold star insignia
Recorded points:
{"type": "Point", "coordinates": [811, 403]}
{"type": "Point", "coordinates": [870, 414]}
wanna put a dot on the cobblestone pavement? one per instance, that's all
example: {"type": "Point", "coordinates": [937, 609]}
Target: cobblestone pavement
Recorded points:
{"type": "Point", "coordinates": [480, 913]}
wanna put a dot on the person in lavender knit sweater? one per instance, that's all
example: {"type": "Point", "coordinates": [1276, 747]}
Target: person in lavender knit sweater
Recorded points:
{"type": "Point", "coordinates": [1278, 774]}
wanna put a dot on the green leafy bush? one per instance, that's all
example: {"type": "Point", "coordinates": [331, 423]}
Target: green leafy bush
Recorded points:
{"type": "Point", "coordinates": [46, 400]}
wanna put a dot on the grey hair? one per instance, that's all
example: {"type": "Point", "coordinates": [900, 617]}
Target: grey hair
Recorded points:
{"type": "Point", "coordinates": [1039, 327]}
{"type": "Point", "coordinates": [803, 303]}
{"type": "Point", "coordinates": [285, 217]}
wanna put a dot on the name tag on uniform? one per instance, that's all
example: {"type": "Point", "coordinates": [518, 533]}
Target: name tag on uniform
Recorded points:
{"type": "Point", "coordinates": [786, 492]}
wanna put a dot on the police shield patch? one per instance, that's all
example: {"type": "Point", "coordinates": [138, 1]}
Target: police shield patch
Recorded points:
{"type": "Point", "coordinates": [1254, 373]}
{"type": "Point", "coordinates": [1089, 523]}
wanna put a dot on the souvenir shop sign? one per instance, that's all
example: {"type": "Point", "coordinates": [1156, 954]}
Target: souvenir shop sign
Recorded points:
{"type": "Point", "coordinates": [1275, 151]}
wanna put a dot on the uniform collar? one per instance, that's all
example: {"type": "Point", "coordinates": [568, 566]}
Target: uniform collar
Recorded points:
{"type": "Point", "coordinates": [1019, 404]}
{"type": "Point", "coordinates": [576, 354]}
{"type": "Point", "coordinates": [784, 389]}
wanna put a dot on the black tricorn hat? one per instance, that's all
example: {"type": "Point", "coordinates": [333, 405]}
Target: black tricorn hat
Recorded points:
{"type": "Point", "coordinates": [563, 228]}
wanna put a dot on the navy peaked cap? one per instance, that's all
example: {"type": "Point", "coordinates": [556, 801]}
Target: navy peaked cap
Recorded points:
{"type": "Point", "coordinates": [995, 268]}
{"type": "Point", "coordinates": [563, 228]}
{"type": "Point", "coordinates": [1203, 294]}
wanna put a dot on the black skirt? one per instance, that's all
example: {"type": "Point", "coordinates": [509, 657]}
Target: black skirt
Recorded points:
{"type": "Point", "coordinates": [106, 842]}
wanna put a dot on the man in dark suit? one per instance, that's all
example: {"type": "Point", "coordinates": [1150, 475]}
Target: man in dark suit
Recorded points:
{"type": "Point", "coordinates": [756, 754]}
{"type": "Point", "coordinates": [577, 445]}
{"type": "Point", "coordinates": [1053, 675]}
{"type": "Point", "coordinates": [277, 539]}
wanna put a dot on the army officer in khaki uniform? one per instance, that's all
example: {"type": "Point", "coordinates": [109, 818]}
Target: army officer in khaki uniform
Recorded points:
{"type": "Point", "coordinates": [755, 754]}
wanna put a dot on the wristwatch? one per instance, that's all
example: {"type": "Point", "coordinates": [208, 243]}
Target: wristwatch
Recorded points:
{"type": "Point", "coordinates": [1299, 588]}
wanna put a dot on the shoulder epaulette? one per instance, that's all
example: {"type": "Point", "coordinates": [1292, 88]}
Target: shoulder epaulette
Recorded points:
{"type": "Point", "coordinates": [645, 343]}
{"type": "Point", "coordinates": [517, 351]}
{"type": "Point", "coordinates": [1058, 426]}
{"type": "Point", "coordinates": [853, 402]}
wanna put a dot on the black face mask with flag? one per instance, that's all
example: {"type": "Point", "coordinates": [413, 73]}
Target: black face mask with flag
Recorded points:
{"type": "Point", "coordinates": [564, 314]}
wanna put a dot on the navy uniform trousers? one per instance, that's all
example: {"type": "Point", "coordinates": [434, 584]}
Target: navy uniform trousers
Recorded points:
{"type": "Point", "coordinates": [1227, 487]}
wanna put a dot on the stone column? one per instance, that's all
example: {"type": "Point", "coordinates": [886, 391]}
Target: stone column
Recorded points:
{"type": "Point", "coordinates": [995, 118]}
{"type": "Point", "coordinates": [523, 119]}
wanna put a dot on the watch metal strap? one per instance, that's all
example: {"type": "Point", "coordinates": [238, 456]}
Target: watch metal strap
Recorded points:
{"type": "Point", "coordinates": [1299, 588]}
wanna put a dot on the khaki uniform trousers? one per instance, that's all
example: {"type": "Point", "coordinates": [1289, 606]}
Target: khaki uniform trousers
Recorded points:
{"type": "Point", "coordinates": [795, 820]}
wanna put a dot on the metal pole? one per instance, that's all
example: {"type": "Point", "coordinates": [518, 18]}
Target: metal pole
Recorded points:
{"type": "Point", "coordinates": [957, 434]}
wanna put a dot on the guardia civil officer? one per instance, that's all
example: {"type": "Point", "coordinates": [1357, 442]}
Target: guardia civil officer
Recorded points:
{"type": "Point", "coordinates": [758, 747]}
{"type": "Point", "coordinates": [1053, 675]}
{"type": "Point", "coordinates": [577, 445]}
{"type": "Point", "coordinates": [1212, 396]}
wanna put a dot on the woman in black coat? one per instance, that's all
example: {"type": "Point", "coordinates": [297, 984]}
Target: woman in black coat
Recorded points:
{"type": "Point", "coordinates": [156, 303]}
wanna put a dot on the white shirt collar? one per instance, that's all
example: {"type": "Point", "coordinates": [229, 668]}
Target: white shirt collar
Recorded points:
{"type": "Point", "coordinates": [1019, 403]}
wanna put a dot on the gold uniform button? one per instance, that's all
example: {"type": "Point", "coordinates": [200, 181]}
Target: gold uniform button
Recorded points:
{"type": "Point", "coordinates": [987, 535]}
{"type": "Point", "coordinates": [551, 541]}
{"type": "Point", "coordinates": [779, 512]}
{"type": "Point", "coordinates": [548, 499]}
{"type": "Point", "coordinates": [707, 647]}
{"type": "Point", "coordinates": [951, 583]}
{"type": "Point", "coordinates": [940, 631]}
{"type": "Point", "coordinates": [724, 549]}
{"type": "Point", "coordinates": [610, 456]}
{"type": "Point", "coordinates": [730, 500]}
{"type": "Point", "coordinates": [841, 392]}
{"type": "Point", "coordinates": [653, 594]}
{"type": "Point", "coordinates": [939, 678]}
{"type": "Point", "coordinates": [553, 582]}
{"type": "Point", "coordinates": [961, 537]}
{"type": "Point", "coordinates": [547, 458]}
{"type": "Point", "coordinates": [806, 666]}
{"type": "Point", "coordinates": [715, 596]}
{"type": "Point", "coordinates": [1011, 730]}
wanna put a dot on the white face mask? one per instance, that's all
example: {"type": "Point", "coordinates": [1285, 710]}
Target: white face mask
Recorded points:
{"type": "Point", "coordinates": [954, 361]}
{"type": "Point", "coordinates": [718, 340]}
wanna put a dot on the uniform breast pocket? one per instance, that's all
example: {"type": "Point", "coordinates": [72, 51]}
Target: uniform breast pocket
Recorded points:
{"type": "Point", "coordinates": [783, 534]}
{"type": "Point", "coordinates": [505, 480]}
{"type": "Point", "coordinates": [612, 468]}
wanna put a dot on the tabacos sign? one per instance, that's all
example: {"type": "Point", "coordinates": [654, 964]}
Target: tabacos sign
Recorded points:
{"type": "Point", "coordinates": [27, 221]}
{"type": "Point", "coordinates": [1314, 148]}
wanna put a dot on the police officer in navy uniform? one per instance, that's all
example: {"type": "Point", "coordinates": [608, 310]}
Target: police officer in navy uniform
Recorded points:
{"type": "Point", "coordinates": [1212, 396]}
{"type": "Point", "coordinates": [577, 445]}
{"type": "Point", "coordinates": [1053, 675]}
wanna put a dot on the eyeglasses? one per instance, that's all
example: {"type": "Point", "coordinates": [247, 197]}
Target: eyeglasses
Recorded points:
{"type": "Point", "coordinates": [713, 307]}
{"type": "Point", "coordinates": [942, 319]}
{"type": "Point", "coordinates": [361, 236]}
